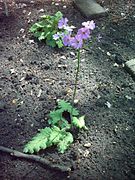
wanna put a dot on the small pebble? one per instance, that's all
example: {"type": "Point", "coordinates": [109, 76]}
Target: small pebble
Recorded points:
{"type": "Point", "coordinates": [72, 54]}
{"type": "Point", "coordinates": [12, 71]}
{"type": "Point", "coordinates": [21, 60]}
{"type": "Point", "coordinates": [86, 153]}
{"type": "Point", "coordinates": [22, 30]}
{"type": "Point", "coordinates": [87, 145]}
{"type": "Point", "coordinates": [76, 101]}
{"type": "Point", "coordinates": [128, 97]}
{"type": "Point", "coordinates": [41, 10]}
{"type": "Point", "coordinates": [32, 125]}
{"type": "Point", "coordinates": [29, 13]}
{"type": "Point", "coordinates": [31, 41]}
{"type": "Point", "coordinates": [63, 57]}
{"type": "Point", "coordinates": [56, 4]}
{"type": "Point", "coordinates": [108, 104]}
{"type": "Point", "coordinates": [108, 54]}
{"type": "Point", "coordinates": [115, 65]}
{"type": "Point", "coordinates": [24, 11]}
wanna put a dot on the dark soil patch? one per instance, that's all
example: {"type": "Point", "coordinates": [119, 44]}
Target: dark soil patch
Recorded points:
{"type": "Point", "coordinates": [106, 94]}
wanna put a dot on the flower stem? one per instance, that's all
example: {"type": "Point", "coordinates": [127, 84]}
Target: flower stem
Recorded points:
{"type": "Point", "coordinates": [76, 76]}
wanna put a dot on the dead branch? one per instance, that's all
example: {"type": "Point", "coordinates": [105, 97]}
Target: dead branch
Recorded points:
{"type": "Point", "coordinates": [35, 158]}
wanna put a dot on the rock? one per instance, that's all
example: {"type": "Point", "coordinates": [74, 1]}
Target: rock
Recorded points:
{"type": "Point", "coordinates": [72, 54]}
{"type": "Point", "coordinates": [130, 65]}
{"type": "Point", "coordinates": [89, 7]}
{"type": "Point", "coordinates": [76, 101]}
{"type": "Point", "coordinates": [87, 145]}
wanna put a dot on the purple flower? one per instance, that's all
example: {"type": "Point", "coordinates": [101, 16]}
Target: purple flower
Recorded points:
{"type": "Point", "coordinates": [76, 42]}
{"type": "Point", "coordinates": [56, 36]}
{"type": "Point", "coordinates": [84, 33]}
{"type": "Point", "coordinates": [89, 24]}
{"type": "Point", "coordinates": [62, 23]}
{"type": "Point", "coordinates": [67, 40]}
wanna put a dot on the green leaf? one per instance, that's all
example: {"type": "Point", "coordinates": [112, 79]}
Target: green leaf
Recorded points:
{"type": "Point", "coordinates": [42, 36]}
{"type": "Point", "coordinates": [37, 34]}
{"type": "Point", "coordinates": [55, 136]}
{"type": "Point", "coordinates": [48, 26]}
{"type": "Point", "coordinates": [67, 139]}
{"type": "Point", "coordinates": [65, 106]}
{"type": "Point", "coordinates": [64, 124]}
{"type": "Point", "coordinates": [40, 141]}
{"type": "Point", "coordinates": [58, 15]}
{"type": "Point", "coordinates": [80, 123]}
{"type": "Point", "coordinates": [55, 116]}
{"type": "Point", "coordinates": [33, 28]}
{"type": "Point", "coordinates": [57, 119]}
{"type": "Point", "coordinates": [48, 137]}
{"type": "Point", "coordinates": [47, 33]}
{"type": "Point", "coordinates": [59, 43]}
{"type": "Point", "coordinates": [51, 42]}
{"type": "Point", "coordinates": [45, 17]}
{"type": "Point", "coordinates": [40, 24]}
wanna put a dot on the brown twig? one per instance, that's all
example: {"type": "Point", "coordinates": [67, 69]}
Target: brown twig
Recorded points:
{"type": "Point", "coordinates": [35, 158]}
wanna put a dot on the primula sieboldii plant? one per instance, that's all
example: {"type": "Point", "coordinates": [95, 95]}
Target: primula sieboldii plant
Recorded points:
{"type": "Point", "coordinates": [58, 133]}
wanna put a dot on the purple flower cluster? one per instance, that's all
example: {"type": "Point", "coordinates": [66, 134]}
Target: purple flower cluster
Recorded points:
{"type": "Point", "coordinates": [77, 40]}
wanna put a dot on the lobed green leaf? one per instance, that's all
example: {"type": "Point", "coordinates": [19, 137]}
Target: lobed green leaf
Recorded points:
{"type": "Point", "coordinates": [66, 140]}
{"type": "Point", "coordinates": [79, 122]}
{"type": "Point", "coordinates": [40, 141]}
{"type": "Point", "coordinates": [46, 28]}
{"type": "Point", "coordinates": [48, 137]}
{"type": "Point", "coordinates": [65, 106]}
